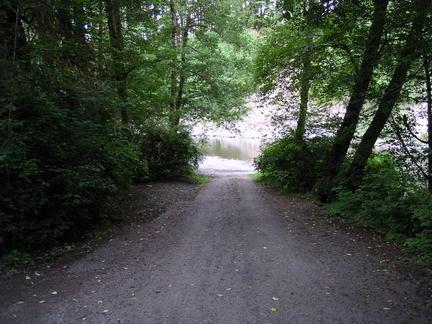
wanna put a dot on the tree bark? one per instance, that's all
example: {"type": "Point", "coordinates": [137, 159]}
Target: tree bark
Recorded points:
{"type": "Point", "coordinates": [429, 113]}
{"type": "Point", "coordinates": [305, 81]}
{"type": "Point", "coordinates": [347, 129]}
{"type": "Point", "coordinates": [117, 48]}
{"type": "Point", "coordinates": [182, 72]}
{"type": "Point", "coordinates": [305, 77]}
{"type": "Point", "coordinates": [409, 53]}
{"type": "Point", "coordinates": [101, 32]}
{"type": "Point", "coordinates": [174, 65]}
{"type": "Point", "coordinates": [13, 44]}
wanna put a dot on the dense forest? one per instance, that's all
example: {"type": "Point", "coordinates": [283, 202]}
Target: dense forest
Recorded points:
{"type": "Point", "coordinates": [98, 95]}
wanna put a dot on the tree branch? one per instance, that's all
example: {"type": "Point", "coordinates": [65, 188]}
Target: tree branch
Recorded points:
{"type": "Point", "coordinates": [396, 130]}
{"type": "Point", "coordinates": [408, 127]}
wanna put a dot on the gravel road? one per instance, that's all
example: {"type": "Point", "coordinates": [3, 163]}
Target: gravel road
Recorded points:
{"type": "Point", "coordinates": [235, 253]}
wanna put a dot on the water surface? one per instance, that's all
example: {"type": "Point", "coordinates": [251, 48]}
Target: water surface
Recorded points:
{"type": "Point", "coordinates": [229, 155]}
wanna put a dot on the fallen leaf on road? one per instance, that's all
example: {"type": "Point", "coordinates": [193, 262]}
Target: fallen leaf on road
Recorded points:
{"type": "Point", "coordinates": [274, 309]}
{"type": "Point", "coordinates": [219, 295]}
{"type": "Point", "coordinates": [275, 298]}
{"type": "Point", "coordinates": [54, 293]}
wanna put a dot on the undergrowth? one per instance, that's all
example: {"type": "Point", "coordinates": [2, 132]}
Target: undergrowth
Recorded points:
{"type": "Point", "coordinates": [388, 201]}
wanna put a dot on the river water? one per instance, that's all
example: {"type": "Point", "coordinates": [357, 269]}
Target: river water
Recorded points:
{"type": "Point", "coordinates": [229, 155]}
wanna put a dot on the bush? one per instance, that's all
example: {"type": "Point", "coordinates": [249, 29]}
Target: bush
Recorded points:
{"type": "Point", "coordinates": [290, 165]}
{"type": "Point", "coordinates": [169, 152]}
{"type": "Point", "coordinates": [388, 202]}
{"type": "Point", "coordinates": [62, 161]}
{"type": "Point", "coordinates": [421, 216]}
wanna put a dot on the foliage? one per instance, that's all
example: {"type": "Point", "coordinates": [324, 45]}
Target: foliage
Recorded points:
{"type": "Point", "coordinates": [388, 201]}
{"type": "Point", "coordinates": [60, 165]}
{"type": "Point", "coordinates": [392, 197]}
{"type": "Point", "coordinates": [199, 178]}
{"type": "Point", "coordinates": [291, 165]}
{"type": "Point", "coordinates": [65, 76]}
{"type": "Point", "coordinates": [16, 259]}
{"type": "Point", "coordinates": [216, 64]}
{"type": "Point", "coordinates": [169, 152]}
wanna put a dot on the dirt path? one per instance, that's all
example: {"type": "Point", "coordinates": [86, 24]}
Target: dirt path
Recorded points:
{"type": "Point", "coordinates": [237, 253]}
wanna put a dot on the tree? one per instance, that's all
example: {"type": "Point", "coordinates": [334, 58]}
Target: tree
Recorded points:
{"type": "Point", "coordinates": [346, 131]}
{"type": "Point", "coordinates": [291, 56]}
{"type": "Point", "coordinates": [410, 51]}
{"type": "Point", "coordinates": [427, 75]}
{"type": "Point", "coordinates": [14, 45]}
{"type": "Point", "coordinates": [117, 49]}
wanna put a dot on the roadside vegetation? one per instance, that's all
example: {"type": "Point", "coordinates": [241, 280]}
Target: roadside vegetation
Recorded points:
{"type": "Point", "coordinates": [354, 80]}
{"type": "Point", "coordinates": [96, 96]}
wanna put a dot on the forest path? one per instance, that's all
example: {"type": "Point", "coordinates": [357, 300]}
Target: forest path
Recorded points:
{"type": "Point", "coordinates": [237, 253]}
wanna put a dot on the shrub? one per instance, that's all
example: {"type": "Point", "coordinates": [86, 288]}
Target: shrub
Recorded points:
{"type": "Point", "coordinates": [291, 165]}
{"type": "Point", "coordinates": [62, 161]}
{"type": "Point", "coordinates": [390, 203]}
{"type": "Point", "coordinates": [421, 216]}
{"type": "Point", "coordinates": [169, 152]}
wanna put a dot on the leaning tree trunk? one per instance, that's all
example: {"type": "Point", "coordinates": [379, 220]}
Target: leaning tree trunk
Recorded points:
{"type": "Point", "coordinates": [174, 118]}
{"type": "Point", "coordinates": [409, 53]}
{"type": "Point", "coordinates": [305, 81]}
{"type": "Point", "coordinates": [117, 48]}
{"type": "Point", "coordinates": [429, 113]}
{"type": "Point", "coordinates": [347, 129]}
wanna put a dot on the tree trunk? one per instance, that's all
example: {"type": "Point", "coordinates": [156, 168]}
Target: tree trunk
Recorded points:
{"type": "Point", "coordinates": [100, 38]}
{"type": "Point", "coordinates": [182, 72]}
{"type": "Point", "coordinates": [305, 81]}
{"type": "Point", "coordinates": [429, 113]}
{"type": "Point", "coordinates": [174, 65]}
{"type": "Point", "coordinates": [305, 77]}
{"type": "Point", "coordinates": [349, 124]}
{"type": "Point", "coordinates": [409, 53]}
{"type": "Point", "coordinates": [13, 44]}
{"type": "Point", "coordinates": [117, 48]}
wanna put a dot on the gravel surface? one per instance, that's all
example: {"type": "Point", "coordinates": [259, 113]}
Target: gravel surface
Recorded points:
{"type": "Point", "coordinates": [234, 253]}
